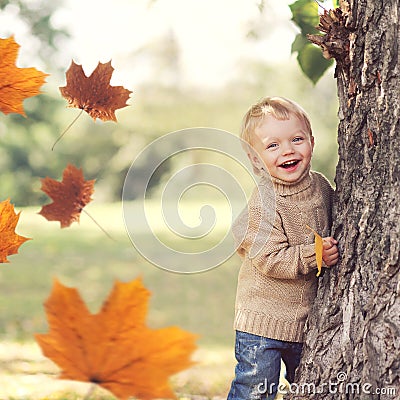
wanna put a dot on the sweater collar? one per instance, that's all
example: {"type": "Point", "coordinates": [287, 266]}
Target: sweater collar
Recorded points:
{"type": "Point", "coordinates": [284, 188]}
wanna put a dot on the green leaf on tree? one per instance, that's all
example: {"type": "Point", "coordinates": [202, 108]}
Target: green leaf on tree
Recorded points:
{"type": "Point", "coordinates": [312, 62]}
{"type": "Point", "coordinates": [299, 43]}
{"type": "Point", "coordinates": [305, 16]}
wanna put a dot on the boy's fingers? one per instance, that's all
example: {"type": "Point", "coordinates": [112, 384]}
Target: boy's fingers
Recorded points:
{"type": "Point", "coordinates": [329, 242]}
{"type": "Point", "coordinates": [332, 250]}
{"type": "Point", "coordinates": [334, 257]}
{"type": "Point", "coordinates": [331, 256]}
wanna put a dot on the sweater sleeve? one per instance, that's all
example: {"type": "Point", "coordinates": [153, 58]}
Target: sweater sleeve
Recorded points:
{"type": "Point", "coordinates": [278, 259]}
{"type": "Point", "coordinates": [266, 245]}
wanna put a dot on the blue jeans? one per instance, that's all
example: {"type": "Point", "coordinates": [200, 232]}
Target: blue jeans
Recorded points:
{"type": "Point", "coordinates": [259, 364]}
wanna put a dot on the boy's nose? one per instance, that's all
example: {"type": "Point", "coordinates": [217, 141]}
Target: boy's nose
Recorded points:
{"type": "Point", "coordinates": [287, 149]}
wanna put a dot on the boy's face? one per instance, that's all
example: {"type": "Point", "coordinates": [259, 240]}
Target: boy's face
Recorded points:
{"type": "Point", "coordinates": [284, 146]}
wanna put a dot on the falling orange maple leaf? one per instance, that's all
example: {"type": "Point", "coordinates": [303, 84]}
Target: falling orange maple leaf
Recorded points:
{"type": "Point", "coordinates": [9, 240]}
{"type": "Point", "coordinates": [16, 84]}
{"type": "Point", "coordinates": [114, 348]}
{"type": "Point", "coordinates": [69, 196]}
{"type": "Point", "coordinates": [94, 94]}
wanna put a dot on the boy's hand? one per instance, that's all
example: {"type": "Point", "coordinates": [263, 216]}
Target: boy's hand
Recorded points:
{"type": "Point", "coordinates": [330, 252]}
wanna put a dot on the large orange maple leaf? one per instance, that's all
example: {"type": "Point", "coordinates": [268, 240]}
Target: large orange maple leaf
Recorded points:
{"type": "Point", "coordinates": [94, 94]}
{"type": "Point", "coordinates": [16, 84]}
{"type": "Point", "coordinates": [114, 348]}
{"type": "Point", "coordinates": [9, 240]}
{"type": "Point", "coordinates": [69, 196]}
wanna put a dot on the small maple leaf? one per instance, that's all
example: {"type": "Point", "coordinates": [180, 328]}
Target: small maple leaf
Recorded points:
{"type": "Point", "coordinates": [319, 246]}
{"type": "Point", "coordinates": [16, 84]}
{"type": "Point", "coordinates": [9, 240]}
{"type": "Point", "coordinates": [114, 348]}
{"type": "Point", "coordinates": [69, 196]}
{"type": "Point", "coordinates": [94, 94]}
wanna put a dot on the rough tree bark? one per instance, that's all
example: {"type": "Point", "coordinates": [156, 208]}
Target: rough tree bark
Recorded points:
{"type": "Point", "coordinates": [352, 350]}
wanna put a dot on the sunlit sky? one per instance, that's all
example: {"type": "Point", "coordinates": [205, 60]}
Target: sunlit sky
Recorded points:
{"type": "Point", "coordinates": [211, 35]}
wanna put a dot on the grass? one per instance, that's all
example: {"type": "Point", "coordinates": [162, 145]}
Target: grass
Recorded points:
{"type": "Point", "coordinates": [82, 256]}
{"type": "Point", "coordinates": [26, 374]}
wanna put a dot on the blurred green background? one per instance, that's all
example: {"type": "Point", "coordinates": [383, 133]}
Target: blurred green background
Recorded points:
{"type": "Point", "coordinates": [105, 150]}
{"type": "Point", "coordinates": [82, 255]}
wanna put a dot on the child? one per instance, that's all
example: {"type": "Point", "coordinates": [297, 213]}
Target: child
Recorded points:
{"type": "Point", "coordinates": [277, 281]}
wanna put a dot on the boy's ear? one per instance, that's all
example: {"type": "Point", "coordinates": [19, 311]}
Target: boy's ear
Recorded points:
{"type": "Point", "coordinates": [255, 159]}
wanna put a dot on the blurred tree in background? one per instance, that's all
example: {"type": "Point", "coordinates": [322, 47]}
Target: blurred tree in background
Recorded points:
{"type": "Point", "coordinates": [159, 105]}
{"type": "Point", "coordinates": [25, 143]}
{"type": "Point", "coordinates": [36, 16]}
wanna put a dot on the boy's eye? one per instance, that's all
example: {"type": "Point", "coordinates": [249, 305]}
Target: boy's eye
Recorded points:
{"type": "Point", "coordinates": [272, 145]}
{"type": "Point", "coordinates": [298, 139]}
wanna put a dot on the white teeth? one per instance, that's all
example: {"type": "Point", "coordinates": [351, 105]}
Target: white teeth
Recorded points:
{"type": "Point", "coordinates": [289, 163]}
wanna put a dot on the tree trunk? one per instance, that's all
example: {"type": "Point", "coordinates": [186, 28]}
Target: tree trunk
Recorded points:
{"type": "Point", "coordinates": [352, 349]}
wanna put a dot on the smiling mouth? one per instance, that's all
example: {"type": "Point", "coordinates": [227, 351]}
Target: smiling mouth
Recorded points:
{"type": "Point", "coordinates": [289, 164]}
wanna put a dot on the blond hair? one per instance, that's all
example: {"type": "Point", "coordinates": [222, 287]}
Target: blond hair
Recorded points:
{"type": "Point", "coordinates": [277, 107]}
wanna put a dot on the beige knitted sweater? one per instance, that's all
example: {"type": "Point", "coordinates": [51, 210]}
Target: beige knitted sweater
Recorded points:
{"type": "Point", "coordinates": [277, 280]}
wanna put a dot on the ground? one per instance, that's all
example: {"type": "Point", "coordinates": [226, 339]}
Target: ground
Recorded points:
{"type": "Point", "coordinates": [26, 374]}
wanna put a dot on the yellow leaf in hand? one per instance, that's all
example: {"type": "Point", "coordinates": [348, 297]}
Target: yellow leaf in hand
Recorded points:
{"type": "Point", "coordinates": [318, 250]}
